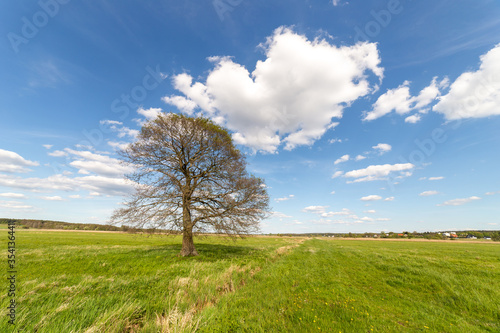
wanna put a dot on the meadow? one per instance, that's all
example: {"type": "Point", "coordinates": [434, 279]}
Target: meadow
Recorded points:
{"type": "Point", "coordinates": [118, 282]}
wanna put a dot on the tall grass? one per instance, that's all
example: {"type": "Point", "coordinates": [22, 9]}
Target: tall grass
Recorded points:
{"type": "Point", "coordinates": [114, 282]}
{"type": "Point", "coordinates": [360, 286]}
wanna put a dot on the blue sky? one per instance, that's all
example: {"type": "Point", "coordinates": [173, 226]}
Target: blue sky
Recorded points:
{"type": "Point", "coordinates": [361, 116]}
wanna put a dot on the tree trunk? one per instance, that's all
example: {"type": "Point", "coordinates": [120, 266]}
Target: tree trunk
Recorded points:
{"type": "Point", "coordinates": [188, 248]}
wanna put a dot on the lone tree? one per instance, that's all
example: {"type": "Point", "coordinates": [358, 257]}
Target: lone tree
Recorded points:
{"type": "Point", "coordinates": [190, 177]}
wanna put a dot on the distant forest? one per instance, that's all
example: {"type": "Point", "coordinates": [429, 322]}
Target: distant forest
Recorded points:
{"type": "Point", "coordinates": [58, 225]}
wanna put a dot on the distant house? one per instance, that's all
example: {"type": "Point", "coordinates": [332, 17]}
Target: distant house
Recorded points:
{"type": "Point", "coordinates": [446, 234]}
{"type": "Point", "coordinates": [471, 237]}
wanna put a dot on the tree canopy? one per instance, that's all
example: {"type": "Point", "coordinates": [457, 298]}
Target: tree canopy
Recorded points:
{"type": "Point", "coordinates": [189, 176]}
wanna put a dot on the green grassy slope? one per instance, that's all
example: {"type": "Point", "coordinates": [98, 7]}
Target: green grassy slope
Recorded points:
{"type": "Point", "coordinates": [112, 282]}
{"type": "Point", "coordinates": [367, 286]}
{"type": "Point", "coordinates": [117, 282]}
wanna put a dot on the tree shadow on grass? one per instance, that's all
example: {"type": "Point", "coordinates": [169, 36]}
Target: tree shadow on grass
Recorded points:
{"type": "Point", "coordinates": [207, 252]}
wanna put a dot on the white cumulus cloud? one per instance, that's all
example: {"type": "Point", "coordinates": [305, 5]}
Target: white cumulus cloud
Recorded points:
{"type": "Point", "coordinates": [360, 158]}
{"type": "Point", "coordinates": [290, 97]}
{"type": "Point", "coordinates": [402, 102]}
{"type": "Point", "coordinates": [150, 113]}
{"type": "Point", "coordinates": [344, 158]}
{"type": "Point", "coordinates": [379, 172]}
{"type": "Point", "coordinates": [474, 94]}
{"type": "Point", "coordinates": [371, 198]}
{"type": "Point", "coordinates": [315, 209]}
{"type": "Point", "coordinates": [344, 211]}
{"type": "Point", "coordinates": [413, 119]}
{"type": "Point", "coordinates": [182, 103]}
{"type": "Point", "coordinates": [382, 147]}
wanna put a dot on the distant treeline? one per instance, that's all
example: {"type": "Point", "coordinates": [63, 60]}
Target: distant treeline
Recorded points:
{"type": "Point", "coordinates": [478, 234]}
{"type": "Point", "coordinates": [47, 224]}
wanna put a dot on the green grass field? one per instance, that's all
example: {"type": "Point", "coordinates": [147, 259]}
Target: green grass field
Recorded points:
{"type": "Point", "coordinates": [114, 282]}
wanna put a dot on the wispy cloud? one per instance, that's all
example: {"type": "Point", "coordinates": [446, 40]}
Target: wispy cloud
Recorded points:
{"type": "Point", "coordinates": [280, 215]}
{"type": "Point", "coordinates": [291, 196]}
{"type": "Point", "coordinates": [459, 202]}
{"type": "Point", "coordinates": [53, 198]}
{"type": "Point", "coordinates": [428, 193]}
{"type": "Point", "coordinates": [15, 206]}
{"type": "Point", "coordinates": [100, 184]}
{"type": "Point", "coordinates": [12, 162]}
{"type": "Point", "coordinates": [13, 195]}
{"type": "Point", "coordinates": [337, 174]}
{"type": "Point", "coordinates": [47, 74]}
